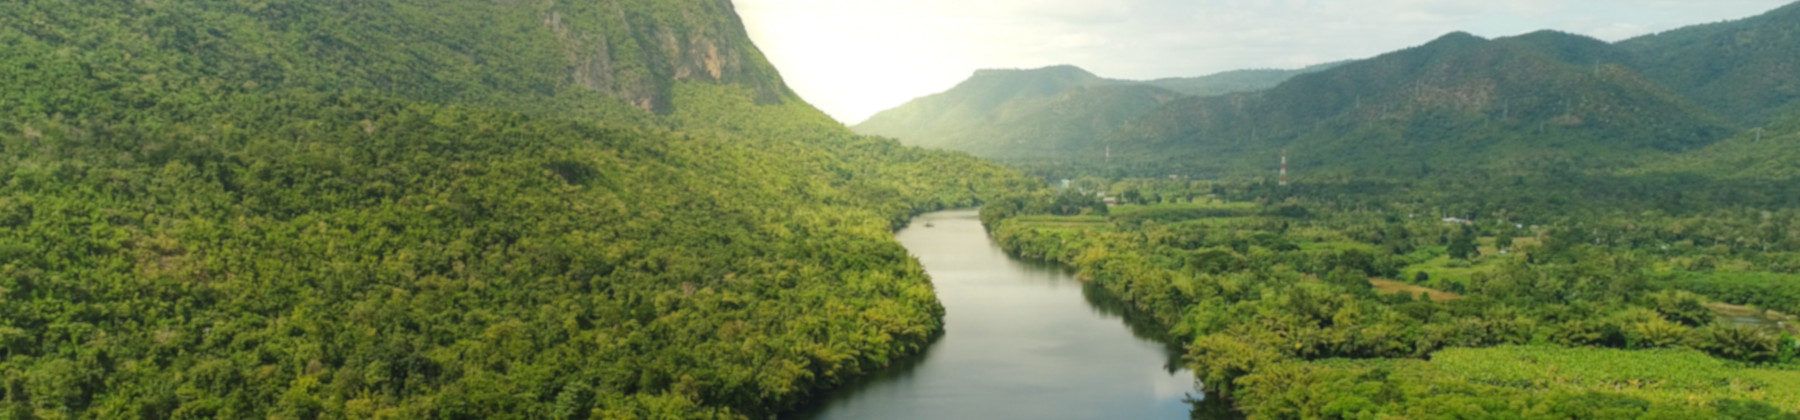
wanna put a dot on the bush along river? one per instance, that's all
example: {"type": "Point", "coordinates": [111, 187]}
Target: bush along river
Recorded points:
{"type": "Point", "coordinates": [1022, 340]}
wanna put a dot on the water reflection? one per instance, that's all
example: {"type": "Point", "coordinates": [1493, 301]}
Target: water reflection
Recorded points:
{"type": "Point", "coordinates": [1022, 340]}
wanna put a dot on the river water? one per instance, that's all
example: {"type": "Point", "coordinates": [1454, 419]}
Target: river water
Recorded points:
{"type": "Point", "coordinates": [1021, 341]}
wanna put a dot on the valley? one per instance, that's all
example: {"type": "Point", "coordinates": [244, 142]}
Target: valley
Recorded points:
{"type": "Point", "coordinates": [620, 209]}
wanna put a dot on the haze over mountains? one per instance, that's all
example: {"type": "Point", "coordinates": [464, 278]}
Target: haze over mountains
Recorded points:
{"type": "Point", "coordinates": [1047, 113]}
{"type": "Point", "coordinates": [1519, 104]}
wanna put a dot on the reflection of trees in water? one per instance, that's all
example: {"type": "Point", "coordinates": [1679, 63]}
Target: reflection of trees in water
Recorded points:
{"type": "Point", "coordinates": [900, 370]}
{"type": "Point", "coordinates": [1213, 409]}
{"type": "Point", "coordinates": [1140, 322]}
{"type": "Point", "coordinates": [1145, 327]}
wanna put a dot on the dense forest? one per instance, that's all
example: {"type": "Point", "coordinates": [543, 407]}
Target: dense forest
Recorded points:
{"type": "Point", "coordinates": [1364, 301]}
{"type": "Point", "coordinates": [449, 209]}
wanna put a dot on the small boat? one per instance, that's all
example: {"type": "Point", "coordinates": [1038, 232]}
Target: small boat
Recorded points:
{"type": "Point", "coordinates": [928, 224]}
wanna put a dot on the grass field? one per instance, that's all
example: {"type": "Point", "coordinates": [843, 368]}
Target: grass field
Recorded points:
{"type": "Point", "coordinates": [1063, 221]}
{"type": "Point", "coordinates": [1444, 271]}
{"type": "Point", "coordinates": [1392, 287]}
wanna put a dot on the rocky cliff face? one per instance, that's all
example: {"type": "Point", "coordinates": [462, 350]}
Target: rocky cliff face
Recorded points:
{"type": "Point", "coordinates": [636, 49]}
{"type": "Point", "coordinates": [512, 54]}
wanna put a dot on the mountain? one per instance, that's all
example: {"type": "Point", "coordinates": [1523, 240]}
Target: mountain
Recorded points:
{"type": "Point", "coordinates": [1027, 114]}
{"type": "Point", "coordinates": [1237, 81]}
{"type": "Point", "coordinates": [1048, 113]}
{"type": "Point", "coordinates": [1511, 104]}
{"type": "Point", "coordinates": [1744, 69]}
{"type": "Point", "coordinates": [447, 209]}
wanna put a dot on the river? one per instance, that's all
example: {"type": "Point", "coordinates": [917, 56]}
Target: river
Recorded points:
{"type": "Point", "coordinates": [1021, 341]}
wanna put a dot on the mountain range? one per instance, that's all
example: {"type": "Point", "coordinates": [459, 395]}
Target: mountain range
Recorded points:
{"type": "Point", "coordinates": [1457, 104]}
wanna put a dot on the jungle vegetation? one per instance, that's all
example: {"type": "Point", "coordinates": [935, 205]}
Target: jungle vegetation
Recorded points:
{"type": "Point", "coordinates": [459, 209]}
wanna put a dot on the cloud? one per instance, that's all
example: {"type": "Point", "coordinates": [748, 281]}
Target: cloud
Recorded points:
{"type": "Point", "coordinates": [853, 58]}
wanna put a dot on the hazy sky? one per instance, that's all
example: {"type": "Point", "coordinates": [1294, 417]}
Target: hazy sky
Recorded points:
{"type": "Point", "coordinates": [853, 58]}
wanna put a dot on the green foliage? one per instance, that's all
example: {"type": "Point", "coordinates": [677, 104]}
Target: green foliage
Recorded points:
{"type": "Point", "coordinates": [1681, 306]}
{"type": "Point", "coordinates": [1260, 297]}
{"type": "Point", "coordinates": [449, 209]}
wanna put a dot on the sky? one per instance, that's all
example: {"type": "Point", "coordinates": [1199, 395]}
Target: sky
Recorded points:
{"type": "Point", "coordinates": [853, 58]}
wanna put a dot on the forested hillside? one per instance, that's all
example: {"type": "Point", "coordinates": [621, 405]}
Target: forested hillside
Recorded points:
{"type": "Point", "coordinates": [972, 110]}
{"type": "Point", "coordinates": [1512, 105]}
{"type": "Point", "coordinates": [1744, 69]}
{"type": "Point", "coordinates": [1766, 153]}
{"type": "Point", "coordinates": [446, 209]}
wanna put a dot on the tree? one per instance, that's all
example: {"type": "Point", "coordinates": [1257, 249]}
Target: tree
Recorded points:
{"type": "Point", "coordinates": [1132, 196]}
{"type": "Point", "coordinates": [1462, 246]}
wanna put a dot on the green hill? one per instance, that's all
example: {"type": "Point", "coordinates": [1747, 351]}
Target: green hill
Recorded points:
{"type": "Point", "coordinates": [448, 209]}
{"type": "Point", "coordinates": [1459, 102]}
{"type": "Point", "coordinates": [1744, 69]}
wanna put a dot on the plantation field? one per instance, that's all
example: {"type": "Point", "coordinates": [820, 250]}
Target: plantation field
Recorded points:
{"type": "Point", "coordinates": [1658, 376]}
{"type": "Point", "coordinates": [1182, 212]}
{"type": "Point", "coordinates": [1527, 381]}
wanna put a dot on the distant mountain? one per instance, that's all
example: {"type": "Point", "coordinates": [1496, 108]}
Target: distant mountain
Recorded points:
{"type": "Point", "coordinates": [1460, 101]}
{"type": "Point", "coordinates": [1747, 69]}
{"type": "Point", "coordinates": [1524, 104]}
{"type": "Point", "coordinates": [1046, 113]}
{"type": "Point", "coordinates": [1237, 81]}
{"type": "Point", "coordinates": [1014, 114]}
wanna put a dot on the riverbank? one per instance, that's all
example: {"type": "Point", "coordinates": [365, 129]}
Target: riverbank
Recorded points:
{"type": "Point", "coordinates": [1021, 340]}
